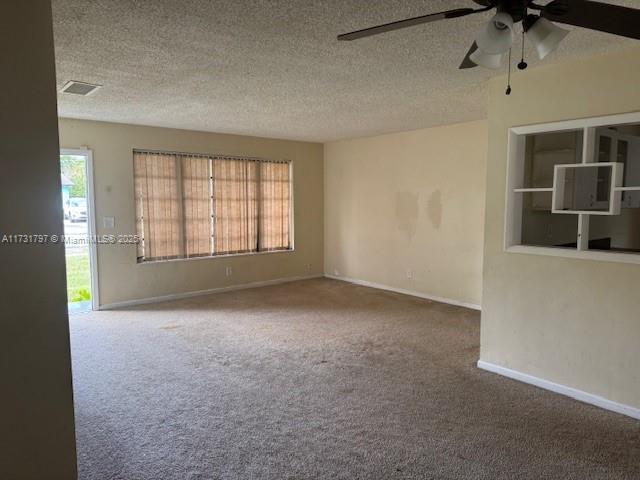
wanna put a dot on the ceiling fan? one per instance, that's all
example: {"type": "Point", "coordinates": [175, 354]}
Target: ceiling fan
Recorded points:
{"type": "Point", "coordinates": [495, 39]}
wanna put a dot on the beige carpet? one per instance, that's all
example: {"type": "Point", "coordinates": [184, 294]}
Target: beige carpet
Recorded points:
{"type": "Point", "coordinates": [320, 380]}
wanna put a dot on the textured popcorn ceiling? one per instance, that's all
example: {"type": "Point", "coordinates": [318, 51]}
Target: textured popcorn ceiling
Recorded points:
{"type": "Point", "coordinates": [274, 68]}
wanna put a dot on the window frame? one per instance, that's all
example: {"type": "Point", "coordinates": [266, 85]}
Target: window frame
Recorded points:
{"type": "Point", "coordinates": [513, 206]}
{"type": "Point", "coordinates": [210, 157]}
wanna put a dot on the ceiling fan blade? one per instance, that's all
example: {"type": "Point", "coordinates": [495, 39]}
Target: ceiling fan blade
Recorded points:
{"type": "Point", "coordinates": [409, 22]}
{"type": "Point", "coordinates": [603, 17]}
{"type": "Point", "coordinates": [467, 62]}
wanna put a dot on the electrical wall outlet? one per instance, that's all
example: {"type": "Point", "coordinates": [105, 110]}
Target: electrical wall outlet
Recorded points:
{"type": "Point", "coordinates": [229, 271]}
{"type": "Point", "coordinates": [409, 274]}
{"type": "Point", "coordinates": [336, 272]}
{"type": "Point", "coordinates": [308, 267]}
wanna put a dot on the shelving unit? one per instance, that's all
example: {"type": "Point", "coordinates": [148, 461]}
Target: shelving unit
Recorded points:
{"type": "Point", "coordinates": [532, 190]}
{"type": "Point", "coordinates": [588, 191]}
{"type": "Point", "coordinates": [603, 193]}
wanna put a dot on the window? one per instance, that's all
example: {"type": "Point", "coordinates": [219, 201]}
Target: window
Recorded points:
{"type": "Point", "coordinates": [191, 206]}
{"type": "Point", "coordinates": [573, 189]}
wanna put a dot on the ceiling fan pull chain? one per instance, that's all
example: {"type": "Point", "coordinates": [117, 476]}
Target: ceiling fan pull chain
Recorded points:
{"type": "Point", "coordinates": [508, 92]}
{"type": "Point", "coordinates": [522, 65]}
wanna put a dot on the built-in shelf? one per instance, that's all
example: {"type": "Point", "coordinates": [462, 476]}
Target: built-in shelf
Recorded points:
{"type": "Point", "coordinates": [595, 169]}
{"type": "Point", "coordinates": [545, 151]}
{"type": "Point", "coordinates": [576, 194]}
{"type": "Point", "coordinates": [532, 190]}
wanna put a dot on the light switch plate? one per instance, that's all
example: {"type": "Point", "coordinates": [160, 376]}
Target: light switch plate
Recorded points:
{"type": "Point", "coordinates": [108, 222]}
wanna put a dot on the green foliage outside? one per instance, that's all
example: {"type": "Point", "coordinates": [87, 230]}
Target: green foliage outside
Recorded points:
{"type": "Point", "coordinates": [73, 168]}
{"type": "Point", "coordinates": [78, 278]}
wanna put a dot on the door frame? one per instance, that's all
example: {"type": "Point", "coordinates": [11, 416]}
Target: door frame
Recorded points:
{"type": "Point", "coordinates": [91, 220]}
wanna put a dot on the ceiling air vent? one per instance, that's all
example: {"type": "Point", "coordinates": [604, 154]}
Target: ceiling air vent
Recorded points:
{"type": "Point", "coordinates": [80, 88]}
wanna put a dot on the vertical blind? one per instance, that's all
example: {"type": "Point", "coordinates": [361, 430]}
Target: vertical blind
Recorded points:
{"type": "Point", "coordinates": [275, 191]}
{"type": "Point", "coordinates": [197, 205]}
{"type": "Point", "coordinates": [235, 200]}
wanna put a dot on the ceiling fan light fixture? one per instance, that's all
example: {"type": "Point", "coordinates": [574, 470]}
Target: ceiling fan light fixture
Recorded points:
{"type": "Point", "coordinates": [544, 35]}
{"type": "Point", "coordinates": [497, 35]}
{"type": "Point", "coordinates": [492, 61]}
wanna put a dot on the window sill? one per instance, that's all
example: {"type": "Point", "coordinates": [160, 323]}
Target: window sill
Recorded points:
{"type": "Point", "coordinates": [598, 255]}
{"type": "Point", "coordinates": [216, 257]}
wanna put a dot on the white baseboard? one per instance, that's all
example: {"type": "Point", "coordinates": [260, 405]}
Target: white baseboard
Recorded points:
{"type": "Point", "coordinates": [562, 390]}
{"type": "Point", "coordinates": [198, 293]}
{"type": "Point", "coordinates": [412, 293]}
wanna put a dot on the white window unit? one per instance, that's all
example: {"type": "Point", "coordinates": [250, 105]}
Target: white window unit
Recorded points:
{"type": "Point", "coordinates": [573, 189]}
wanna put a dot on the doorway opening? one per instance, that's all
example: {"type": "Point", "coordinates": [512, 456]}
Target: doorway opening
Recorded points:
{"type": "Point", "coordinates": [79, 230]}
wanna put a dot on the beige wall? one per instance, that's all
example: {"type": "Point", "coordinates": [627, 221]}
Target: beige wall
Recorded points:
{"type": "Point", "coordinates": [409, 201]}
{"type": "Point", "coordinates": [122, 279]}
{"type": "Point", "coordinates": [36, 400]}
{"type": "Point", "coordinates": [573, 322]}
